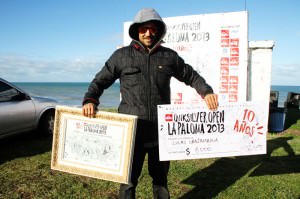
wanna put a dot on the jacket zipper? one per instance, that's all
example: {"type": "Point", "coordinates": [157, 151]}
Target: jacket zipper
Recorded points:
{"type": "Point", "coordinates": [150, 88]}
{"type": "Point", "coordinates": [149, 94]}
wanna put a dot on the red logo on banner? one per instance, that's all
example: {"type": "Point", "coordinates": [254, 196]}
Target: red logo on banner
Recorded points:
{"type": "Point", "coordinates": [234, 61]}
{"type": "Point", "coordinates": [224, 42]}
{"type": "Point", "coordinates": [234, 52]}
{"type": "Point", "coordinates": [223, 89]}
{"type": "Point", "coordinates": [169, 117]}
{"type": "Point", "coordinates": [224, 33]}
{"type": "Point", "coordinates": [224, 61]}
{"type": "Point", "coordinates": [234, 79]}
{"type": "Point", "coordinates": [224, 70]}
{"type": "Point", "coordinates": [234, 42]}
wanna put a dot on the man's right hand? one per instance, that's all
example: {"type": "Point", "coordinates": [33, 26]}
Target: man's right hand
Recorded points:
{"type": "Point", "coordinates": [88, 110]}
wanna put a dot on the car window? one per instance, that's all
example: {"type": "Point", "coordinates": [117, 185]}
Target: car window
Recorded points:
{"type": "Point", "coordinates": [7, 92]}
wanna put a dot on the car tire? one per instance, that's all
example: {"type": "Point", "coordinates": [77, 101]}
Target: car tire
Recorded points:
{"type": "Point", "coordinates": [46, 125]}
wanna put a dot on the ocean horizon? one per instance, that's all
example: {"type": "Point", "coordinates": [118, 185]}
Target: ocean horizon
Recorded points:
{"type": "Point", "coordinates": [72, 93]}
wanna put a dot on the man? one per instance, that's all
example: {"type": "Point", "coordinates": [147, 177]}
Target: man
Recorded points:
{"type": "Point", "coordinates": [144, 69]}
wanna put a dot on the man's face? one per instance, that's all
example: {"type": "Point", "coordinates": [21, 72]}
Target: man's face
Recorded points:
{"type": "Point", "coordinates": [147, 33]}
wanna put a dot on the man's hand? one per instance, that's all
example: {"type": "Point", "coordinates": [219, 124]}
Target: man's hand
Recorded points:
{"type": "Point", "coordinates": [88, 110]}
{"type": "Point", "coordinates": [211, 101]}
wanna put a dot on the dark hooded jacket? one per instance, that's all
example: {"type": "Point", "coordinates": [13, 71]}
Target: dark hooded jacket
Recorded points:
{"type": "Point", "coordinates": [144, 75]}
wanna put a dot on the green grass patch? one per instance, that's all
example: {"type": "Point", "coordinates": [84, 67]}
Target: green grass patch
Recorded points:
{"type": "Point", "coordinates": [25, 173]}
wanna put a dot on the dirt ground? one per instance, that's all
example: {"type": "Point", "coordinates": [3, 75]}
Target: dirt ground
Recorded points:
{"type": "Point", "coordinates": [292, 131]}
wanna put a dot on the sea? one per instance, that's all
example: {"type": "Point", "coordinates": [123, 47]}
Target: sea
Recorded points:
{"type": "Point", "coordinates": [72, 93]}
{"type": "Point", "coordinates": [283, 92]}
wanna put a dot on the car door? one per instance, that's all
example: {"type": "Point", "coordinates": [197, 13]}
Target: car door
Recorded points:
{"type": "Point", "coordinates": [17, 111]}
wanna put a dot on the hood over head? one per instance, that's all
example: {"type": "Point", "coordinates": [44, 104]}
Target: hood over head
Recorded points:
{"type": "Point", "coordinates": [147, 15]}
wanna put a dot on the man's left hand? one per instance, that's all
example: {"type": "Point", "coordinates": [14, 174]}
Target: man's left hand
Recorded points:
{"type": "Point", "coordinates": [211, 101]}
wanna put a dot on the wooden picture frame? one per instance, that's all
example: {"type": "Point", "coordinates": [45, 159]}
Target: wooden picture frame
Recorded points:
{"type": "Point", "coordinates": [99, 147]}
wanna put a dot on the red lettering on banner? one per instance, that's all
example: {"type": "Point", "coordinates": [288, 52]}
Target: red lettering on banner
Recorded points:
{"type": "Point", "coordinates": [247, 125]}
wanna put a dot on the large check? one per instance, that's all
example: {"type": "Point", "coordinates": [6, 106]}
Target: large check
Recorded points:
{"type": "Point", "coordinates": [99, 147]}
{"type": "Point", "coordinates": [192, 131]}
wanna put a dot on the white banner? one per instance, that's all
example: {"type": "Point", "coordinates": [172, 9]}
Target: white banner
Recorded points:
{"type": "Point", "coordinates": [215, 45]}
{"type": "Point", "coordinates": [193, 131]}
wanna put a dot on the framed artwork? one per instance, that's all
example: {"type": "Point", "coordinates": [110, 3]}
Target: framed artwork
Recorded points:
{"type": "Point", "coordinates": [99, 147]}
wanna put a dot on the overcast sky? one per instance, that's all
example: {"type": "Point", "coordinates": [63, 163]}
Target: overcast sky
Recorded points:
{"type": "Point", "coordinates": [69, 40]}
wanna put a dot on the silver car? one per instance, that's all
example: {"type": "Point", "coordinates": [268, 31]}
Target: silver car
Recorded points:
{"type": "Point", "coordinates": [20, 112]}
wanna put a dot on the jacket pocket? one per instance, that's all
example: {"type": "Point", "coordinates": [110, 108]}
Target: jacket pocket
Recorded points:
{"type": "Point", "coordinates": [164, 74]}
{"type": "Point", "coordinates": [131, 76]}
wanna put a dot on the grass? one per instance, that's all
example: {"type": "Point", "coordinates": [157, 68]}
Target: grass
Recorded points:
{"type": "Point", "coordinates": [25, 173]}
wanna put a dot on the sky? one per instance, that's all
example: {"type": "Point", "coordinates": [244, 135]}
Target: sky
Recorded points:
{"type": "Point", "coordinates": [70, 40]}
